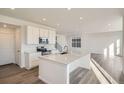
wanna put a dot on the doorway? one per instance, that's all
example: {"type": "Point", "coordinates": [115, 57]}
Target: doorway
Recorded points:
{"type": "Point", "coordinates": [9, 44]}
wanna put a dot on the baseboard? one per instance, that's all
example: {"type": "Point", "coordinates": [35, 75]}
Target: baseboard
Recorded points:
{"type": "Point", "coordinates": [7, 64]}
{"type": "Point", "coordinates": [42, 79]}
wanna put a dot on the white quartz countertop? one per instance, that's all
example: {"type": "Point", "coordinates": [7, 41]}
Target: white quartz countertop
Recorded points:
{"type": "Point", "coordinates": [31, 52]}
{"type": "Point", "coordinates": [64, 59]}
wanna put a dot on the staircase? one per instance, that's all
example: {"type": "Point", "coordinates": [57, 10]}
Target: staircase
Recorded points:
{"type": "Point", "coordinates": [58, 47]}
{"type": "Point", "coordinates": [83, 76]}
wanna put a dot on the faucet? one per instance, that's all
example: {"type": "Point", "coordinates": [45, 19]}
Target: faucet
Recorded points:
{"type": "Point", "coordinates": [65, 49]}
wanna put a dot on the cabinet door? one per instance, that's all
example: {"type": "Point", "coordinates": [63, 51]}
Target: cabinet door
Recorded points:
{"type": "Point", "coordinates": [32, 60]}
{"type": "Point", "coordinates": [43, 33]}
{"type": "Point", "coordinates": [35, 35]}
{"type": "Point", "coordinates": [29, 35]}
{"type": "Point", "coordinates": [52, 37]}
{"type": "Point", "coordinates": [32, 35]}
{"type": "Point", "coordinates": [46, 33]}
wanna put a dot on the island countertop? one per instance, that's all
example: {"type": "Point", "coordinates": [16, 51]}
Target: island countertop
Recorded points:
{"type": "Point", "coordinates": [63, 59]}
{"type": "Point", "coordinates": [114, 66]}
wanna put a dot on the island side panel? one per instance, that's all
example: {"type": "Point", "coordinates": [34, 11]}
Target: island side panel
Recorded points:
{"type": "Point", "coordinates": [83, 62]}
{"type": "Point", "coordinates": [53, 72]}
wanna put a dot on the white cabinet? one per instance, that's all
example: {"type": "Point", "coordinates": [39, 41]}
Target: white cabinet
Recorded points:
{"type": "Point", "coordinates": [52, 37]}
{"type": "Point", "coordinates": [29, 34]}
{"type": "Point", "coordinates": [32, 35]}
{"type": "Point", "coordinates": [32, 60]}
{"type": "Point", "coordinates": [36, 36]}
{"type": "Point", "coordinates": [44, 33]}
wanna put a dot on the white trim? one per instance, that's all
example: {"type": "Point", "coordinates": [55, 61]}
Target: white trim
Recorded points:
{"type": "Point", "coordinates": [99, 75]}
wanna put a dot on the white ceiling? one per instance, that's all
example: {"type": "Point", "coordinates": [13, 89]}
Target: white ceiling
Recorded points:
{"type": "Point", "coordinates": [94, 20]}
{"type": "Point", "coordinates": [8, 25]}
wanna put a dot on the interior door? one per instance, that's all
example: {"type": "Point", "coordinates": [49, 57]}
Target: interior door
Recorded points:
{"type": "Point", "coordinates": [7, 49]}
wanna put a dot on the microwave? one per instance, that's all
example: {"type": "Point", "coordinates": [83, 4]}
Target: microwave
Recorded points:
{"type": "Point", "coordinates": [43, 40]}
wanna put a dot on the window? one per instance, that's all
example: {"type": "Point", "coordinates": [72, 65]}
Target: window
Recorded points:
{"type": "Point", "coordinates": [76, 42]}
{"type": "Point", "coordinates": [118, 47]}
{"type": "Point", "coordinates": [105, 52]}
{"type": "Point", "coordinates": [111, 49]}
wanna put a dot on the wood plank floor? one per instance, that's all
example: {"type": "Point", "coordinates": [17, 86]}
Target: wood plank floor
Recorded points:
{"type": "Point", "coordinates": [83, 76]}
{"type": "Point", "coordinates": [13, 74]}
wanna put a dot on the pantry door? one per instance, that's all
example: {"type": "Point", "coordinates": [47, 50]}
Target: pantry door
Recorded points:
{"type": "Point", "coordinates": [7, 47]}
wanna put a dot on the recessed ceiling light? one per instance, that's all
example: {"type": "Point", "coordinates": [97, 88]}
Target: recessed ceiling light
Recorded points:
{"type": "Point", "coordinates": [4, 25]}
{"type": "Point", "coordinates": [109, 24]}
{"type": "Point", "coordinates": [58, 24]}
{"type": "Point", "coordinates": [69, 9]}
{"type": "Point", "coordinates": [12, 8]}
{"type": "Point", "coordinates": [44, 19]}
{"type": "Point", "coordinates": [81, 18]}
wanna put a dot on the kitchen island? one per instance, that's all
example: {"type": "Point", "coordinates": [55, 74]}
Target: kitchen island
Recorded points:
{"type": "Point", "coordinates": [55, 68]}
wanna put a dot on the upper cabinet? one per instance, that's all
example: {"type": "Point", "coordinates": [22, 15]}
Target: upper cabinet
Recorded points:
{"type": "Point", "coordinates": [52, 37]}
{"type": "Point", "coordinates": [36, 36]}
{"type": "Point", "coordinates": [44, 33]}
{"type": "Point", "coordinates": [32, 35]}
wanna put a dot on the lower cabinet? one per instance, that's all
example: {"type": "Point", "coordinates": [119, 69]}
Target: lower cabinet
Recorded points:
{"type": "Point", "coordinates": [32, 60]}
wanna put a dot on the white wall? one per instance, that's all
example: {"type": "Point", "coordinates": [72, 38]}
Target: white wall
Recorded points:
{"type": "Point", "coordinates": [96, 42]}
{"type": "Point", "coordinates": [83, 62]}
{"type": "Point", "coordinates": [99, 41]}
{"type": "Point", "coordinates": [81, 50]}
{"type": "Point", "coordinates": [123, 36]}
